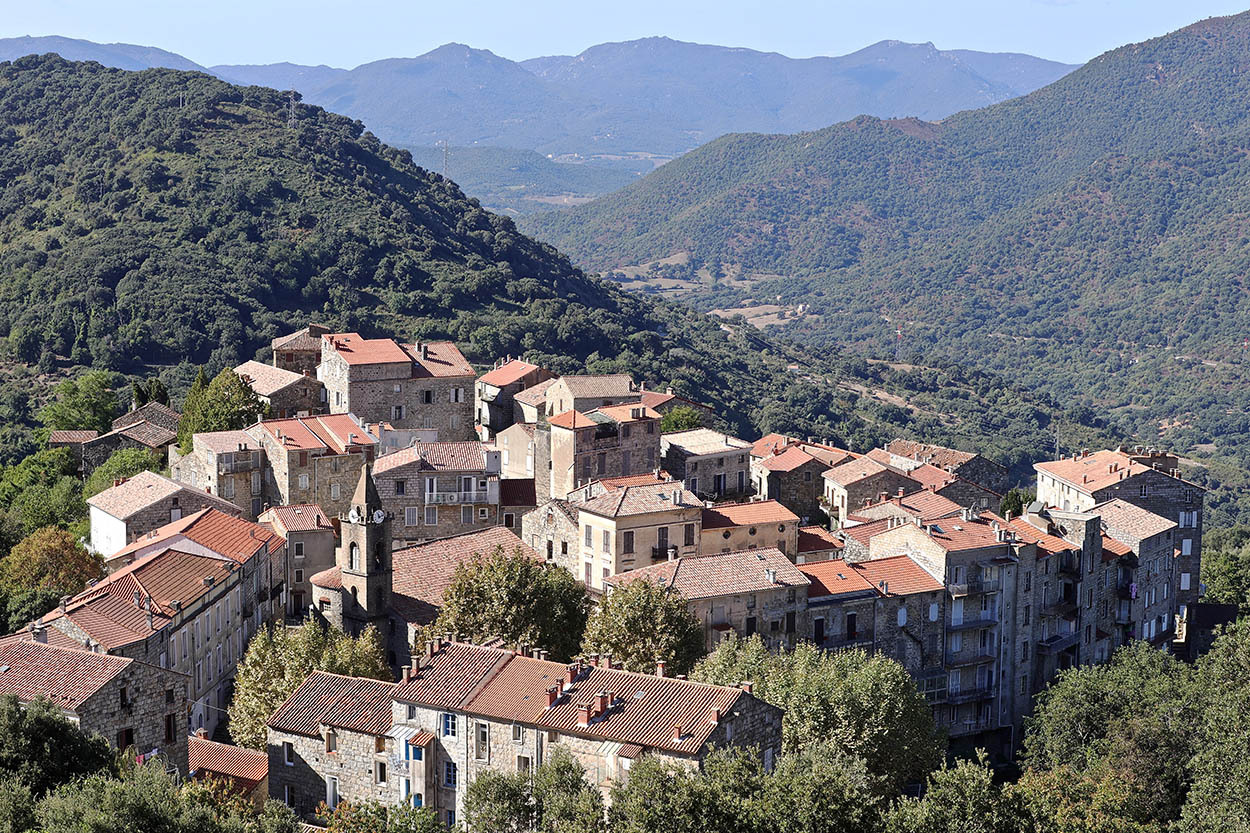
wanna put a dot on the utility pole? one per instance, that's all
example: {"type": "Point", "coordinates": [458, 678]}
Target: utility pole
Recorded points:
{"type": "Point", "coordinates": [290, 109]}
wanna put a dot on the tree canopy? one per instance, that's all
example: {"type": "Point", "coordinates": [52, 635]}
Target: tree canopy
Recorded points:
{"type": "Point", "coordinates": [642, 623]}
{"type": "Point", "coordinates": [50, 559]}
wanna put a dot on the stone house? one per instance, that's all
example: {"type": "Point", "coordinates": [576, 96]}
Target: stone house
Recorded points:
{"type": "Point", "coordinates": [315, 459]}
{"type": "Point", "coordinates": [517, 452]}
{"type": "Point", "coordinates": [841, 605]}
{"type": "Point", "coordinates": [530, 405]}
{"type": "Point", "coordinates": [299, 352]}
{"type": "Point", "coordinates": [229, 464]}
{"type": "Point", "coordinates": [942, 482]}
{"type": "Point", "coordinates": [494, 390]}
{"type": "Point", "coordinates": [589, 393]}
{"type": "Point", "coordinates": [516, 498]}
{"type": "Point", "coordinates": [151, 413]}
{"type": "Point", "coordinates": [925, 505]}
{"type": "Point", "coordinates": [460, 710]}
{"type": "Point", "coordinates": [73, 440]}
{"type": "Point", "coordinates": [427, 385]}
{"type": "Point", "coordinates": [966, 465]}
{"type": "Point", "coordinates": [137, 505]}
{"type": "Point", "coordinates": [632, 527]}
{"type": "Point", "coordinates": [132, 704]}
{"type": "Point", "coordinates": [246, 771]}
{"type": "Point", "coordinates": [551, 529]}
{"type": "Point", "coordinates": [434, 490]}
{"type": "Point", "coordinates": [728, 527]}
{"type": "Point", "coordinates": [311, 538]}
{"type": "Point", "coordinates": [712, 463]}
{"type": "Point", "coordinates": [859, 482]}
{"type": "Point", "coordinates": [1148, 575]}
{"type": "Point", "coordinates": [284, 392]}
{"type": "Point", "coordinates": [662, 402]}
{"type": "Point", "coordinates": [792, 477]}
{"type": "Point", "coordinates": [743, 593]}
{"type": "Point", "coordinates": [815, 543]}
{"type": "Point", "coordinates": [144, 434]}
{"type": "Point", "coordinates": [611, 441]}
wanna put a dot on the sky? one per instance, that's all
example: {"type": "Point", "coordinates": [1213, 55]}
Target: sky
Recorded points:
{"type": "Point", "coordinates": [348, 34]}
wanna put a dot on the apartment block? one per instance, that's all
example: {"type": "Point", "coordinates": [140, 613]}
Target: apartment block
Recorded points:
{"type": "Point", "coordinates": [229, 464]}
{"type": "Point", "coordinates": [713, 464]}
{"type": "Point", "coordinates": [632, 527]}
{"type": "Point", "coordinates": [494, 393]}
{"type": "Point", "coordinates": [434, 490]}
{"type": "Point", "coordinates": [613, 441]}
{"type": "Point", "coordinates": [314, 460]}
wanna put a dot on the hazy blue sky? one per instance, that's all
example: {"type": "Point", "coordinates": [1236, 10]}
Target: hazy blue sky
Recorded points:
{"type": "Point", "coordinates": [346, 34]}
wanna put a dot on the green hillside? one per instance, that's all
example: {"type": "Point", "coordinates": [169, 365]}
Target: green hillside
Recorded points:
{"type": "Point", "coordinates": [148, 219]}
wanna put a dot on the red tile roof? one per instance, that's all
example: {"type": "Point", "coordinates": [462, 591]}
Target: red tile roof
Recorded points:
{"type": "Point", "coordinates": [613, 483]}
{"type": "Point", "coordinates": [156, 413]}
{"type": "Point", "coordinates": [66, 676]}
{"type": "Point", "coordinates": [818, 539]}
{"type": "Point", "coordinates": [1094, 471]}
{"type": "Point", "coordinates": [571, 419]}
{"type": "Point", "coordinates": [770, 444]}
{"type": "Point", "coordinates": [834, 578]}
{"type": "Point", "coordinates": [518, 492]}
{"type": "Point", "coordinates": [333, 432]}
{"type": "Point", "coordinates": [955, 534]}
{"type": "Point", "coordinates": [641, 500]}
{"type": "Point", "coordinates": [853, 471]}
{"type": "Point", "coordinates": [72, 437]}
{"type": "Point", "coordinates": [902, 576]}
{"type": "Point", "coordinates": [788, 460]}
{"type": "Point", "coordinates": [468, 455]}
{"type": "Point", "coordinates": [226, 535]}
{"type": "Point", "coordinates": [535, 395]}
{"type": "Point", "coordinates": [721, 574]}
{"type": "Point", "coordinates": [356, 704]}
{"type": "Point", "coordinates": [225, 442]}
{"type": "Point", "coordinates": [625, 412]}
{"type": "Point", "coordinates": [1047, 544]}
{"type": "Point", "coordinates": [508, 373]}
{"type": "Point", "coordinates": [266, 379]}
{"type": "Point", "coordinates": [330, 578]}
{"type": "Point", "coordinates": [246, 767]}
{"type": "Point", "coordinates": [1113, 549]}
{"type": "Point", "coordinates": [357, 350]}
{"type": "Point", "coordinates": [299, 517]}
{"type": "Point", "coordinates": [1129, 521]}
{"type": "Point", "coordinates": [864, 532]}
{"type": "Point", "coordinates": [437, 359]}
{"type": "Point", "coordinates": [745, 514]}
{"type": "Point", "coordinates": [938, 455]}
{"type": "Point", "coordinates": [931, 477]}
{"type": "Point", "coordinates": [924, 504]}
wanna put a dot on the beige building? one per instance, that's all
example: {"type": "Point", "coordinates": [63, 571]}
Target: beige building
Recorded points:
{"type": "Point", "coordinates": [632, 527]}
{"type": "Point", "coordinates": [284, 392]}
{"type": "Point", "coordinates": [314, 459]}
{"type": "Point", "coordinates": [434, 490]}
{"type": "Point", "coordinates": [517, 451]}
{"type": "Point", "coordinates": [713, 464]}
{"type": "Point", "coordinates": [743, 593]}
{"type": "Point", "coordinates": [614, 441]}
{"type": "Point", "coordinates": [229, 464]}
{"type": "Point", "coordinates": [311, 537]}
{"type": "Point", "coordinates": [588, 393]}
{"type": "Point", "coordinates": [728, 527]}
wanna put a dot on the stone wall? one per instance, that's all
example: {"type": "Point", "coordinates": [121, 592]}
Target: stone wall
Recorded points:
{"type": "Point", "coordinates": [352, 764]}
{"type": "Point", "coordinates": [554, 535]}
{"type": "Point", "coordinates": [153, 712]}
{"type": "Point", "coordinates": [449, 518]}
{"type": "Point", "coordinates": [783, 535]}
{"type": "Point", "coordinates": [798, 490]}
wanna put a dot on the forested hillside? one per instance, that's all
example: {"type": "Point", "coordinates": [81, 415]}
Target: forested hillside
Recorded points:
{"type": "Point", "coordinates": [1088, 239]}
{"type": "Point", "coordinates": [161, 218]}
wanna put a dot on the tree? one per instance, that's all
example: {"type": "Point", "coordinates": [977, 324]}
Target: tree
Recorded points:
{"type": "Point", "coordinates": [19, 607]}
{"type": "Point", "coordinates": [43, 468]}
{"type": "Point", "coordinates": [192, 405]}
{"type": "Point", "coordinates": [226, 404]}
{"type": "Point", "coordinates": [821, 790]}
{"type": "Point", "coordinates": [513, 597]}
{"type": "Point", "coordinates": [57, 504]}
{"type": "Point", "coordinates": [50, 559]}
{"type": "Point", "coordinates": [40, 747]}
{"type": "Point", "coordinates": [1226, 566]}
{"type": "Point", "coordinates": [867, 705]}
{"type": "Point", "coordinates": [121, 464]}
{"type": "Point", "coordinates": [277, 661]}
{"type": "Point", "coordinates": [374, 817]}
{"type": "Point", "coordinates": [499, 802]}
{"type": "Point", "coordinates": [152, 390]}
{"type": "Point", "coordinates": [961, 798]}
{"type": "Point", "coordinates": [1015, 502]}
{"type": "Point", "coordinates": [662, 797]}
{"type": "Point", "coordinates": [680, 418]}
{"type": "Point", "coordinates": [17, 805]}
{"type": "Point", "coordinates": [1065, 800]}
{"type": "Point", "coordinates": [641, 623]}
{"type": "Point", "coordinates": [555, 799]}
{"type": "Point", "coordinates": [88, 402]}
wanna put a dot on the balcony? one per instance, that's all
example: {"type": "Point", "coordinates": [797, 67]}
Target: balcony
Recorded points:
{"type": "Point", "coordinates": [1063, 606]}
{"type": "Point", "coordinates": [1058, 642]}
{"type": "Point", "coordinates": [664, 553]}
{"type": "Point", "coordinates": [981, 619]}
{"type": "Point", "coordinates": [974, 588]}
{"type": "Point", "coordinates": [969, 695]}
{"type": "Point", "coordinates": [1069, 566]}
{"type": "Point", "coordinates": [1123, 617]}
{"type": "Point", "coordinates": [859, 640]}
{"type": "Point", "coordinates": [1126, 590]}
{"type": "Point", "coordinates": [964, 659]}
{"type": "Point", "coordinates": [456, 497]}
{"type": "Point", "coordinates": [969, 727]}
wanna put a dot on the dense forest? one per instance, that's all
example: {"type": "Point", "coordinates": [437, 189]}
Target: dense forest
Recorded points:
{"type": "Point", "coordinates": [1087, 240]}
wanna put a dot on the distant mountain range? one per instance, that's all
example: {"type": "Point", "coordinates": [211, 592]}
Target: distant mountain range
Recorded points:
{"type": "Point", "coordinates": [653, 96]}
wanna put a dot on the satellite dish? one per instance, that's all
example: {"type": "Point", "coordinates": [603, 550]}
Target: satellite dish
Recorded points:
{"type": "Point", "coordinates": [378, 516]}
{"type": "Point", "coordinates": [354, 515]}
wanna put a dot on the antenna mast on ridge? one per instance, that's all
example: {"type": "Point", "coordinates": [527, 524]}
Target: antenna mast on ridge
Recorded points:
{"type": "Point", "coordinates": [290, 109]}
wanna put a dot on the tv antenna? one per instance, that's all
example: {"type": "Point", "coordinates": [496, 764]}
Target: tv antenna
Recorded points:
{"type": "Point", "coordinates": [290, 109]}
{"type": "Point", "coordinates": [446, 154]}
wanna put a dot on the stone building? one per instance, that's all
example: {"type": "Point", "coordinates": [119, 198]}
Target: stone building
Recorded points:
{"type": "Point", "coordinates": [792, 477]}
{"type": "Point", "coordinates": [516, 498]}
{"type": "Point", "coordinates": [611, 441]}
{"type": "Point", "coordinates": [743, 593]}
{"type": "Point", "coordinates": [461, 710]}
{"type": "Point", "coordinates": [137, 505]}
{"type": "Point", "coordinates": [229, 464]}
{"type": "Point", "coordinates": [145, 433]}
{"type": "Point", "coordinates": [311, 539]}
{"type": "Point", "coordinates": [151, 413]}
{"type": "Point", "coordinates": [73, 440]}
{"type": "Point", "coordinates": [517, 453]}
{"type": "Point", "coordinates": [493, 394]}
{"type": "Point", "coordinates": [552, 530]}
{"type": "Point", "coordinates": [245, 771]}
{"type": "Point", "coordinates": [314, 459]}
{"type": "Point", "coordinates": [665, 401]}
{"type": "Point", "coordinates": [944, 483]}
{"type": "Point", "coordinates": [632, 527]}
{"type": "Point", "coordinates": [589, 393]}
{"type": "Point", "coordinates": [815, 543]}
{"type": "Point", "coordinates": [841, 605]}
{"type": "Point", "coordinates": [530, 405]}
{"type": "Point", "coordinates": [713, 464]}
{"type": "Point", "coordinates": [966, 465]}
{"type": "Point", "coordinates": [728, 527]}
{"type": "Point", "coordinates": [1146, 578]}
{"type": "Point", "coordinates": [299, 352]}
{"type": "Point", "coordinates": [859, 482]}
{"type": "Point", "coordinates": [427, 385]}
{"type": "Point", "coordinates": [133, 705]}
{"type": "Point", "coordinates": [355, 593]}
{"type": "Point", "coordinates": [285, 392]}
{"type": "Point", "coordinates": [923, 505]}
{"type": "Point", "coordinates": [433, 490]}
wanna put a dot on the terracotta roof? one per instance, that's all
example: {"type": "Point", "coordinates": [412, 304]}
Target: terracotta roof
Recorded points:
{"type": "Point", "coordinates": [356, 704]}
{"type": "Point", "coordinates": [931, 477]}
{"type": "Point", "coordinates": [745, 514]}
{"type": "Point", "coordinates": [1112, 549]}
{"type": "Point", "coordinates": [534, 395]}
{"type": "Point", "coordinates": [592, 387]}
{"type": "Point", "coordinates": [770, 444]}
{"type": "Point", "coordinates": [508, 373]}
{"type": "Point", "coordinates": [1094, 471]}
{"type": "Point", "coordinates": [788, 460]}
{"type": "Point", "coordinates": [357, 350]}
{"type": "Point", "coordinates": [226, 535]}
{"type": "Point", "coordinates": [938, 455]}
{"type": "Point", "coordinates": [640, 500]}
{"type": "Point", "coordinates": [854, 471]}
{"type": "Point", "coordinates": [308, 338]}
{"type": "Point", "coordinates": [656, 399]}
{"type": "Point", "coordinates": [1125, 520]}
{"type": "Point", "coordinates": [865, 532]}
{"type": "Point", "coordinates": [518, 492]}
{"type": "Point", "coordinates": [700, 441]}
{"type": "Point", "coordinates": [721, 574]}
{"type": "Point", "coordinates": [72, 437]}
{"type": "Point", "coordinates": [154, 412]}
{"type": "Point", "coordinates": [300, 517]}
{"type": "Point", "coordinates": [955, 534]}
{"type": "Point", "coordinates": [330, 578]}
{"type": "Point", "coordinates": [451, 456]}
{"type": "Point", "coordinates": [246, 767]}
{"type": "Point", "coordinates": [146, 489]}
{"type": "Point", "coordinates": [818, 539]}
{"type": "Point", "coordinates": [1047, 543]}
{"type": "Point", "coordinates": [924, 504]}
{"type": "Point", "coordinates": [66, 676]}
{"type": "Point", "coordinates": [834, 578]}
{"type": "Point", "coordinates": [613, 483]}
{"type": "Point", "coordinates": [626, 411]}
{"type": "Point", "coordinates": [333, 432]}
{"type": "Point", "coordinates": [422, 574]}
{"type": "Point", "coordinates": [505, 686]}
{"type": "Point", "coordinates": [901, 575]}
{"type": "Point", "coordinates": [571, 419]}
{"type": "Point", "coordinates": [265, 379]}
{"type": "Point", "coordinates": [225, 442]}
{"type": "Point", "coordinates": [442, 359]}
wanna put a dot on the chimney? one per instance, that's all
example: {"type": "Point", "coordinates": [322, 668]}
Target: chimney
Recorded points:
{"type": "Point", "coordinates": [553, 694]}
{"type": "Point", "coordinates": [607, 661]}
{"type": "Point", "coordinates": [715, 716]}
{"type": "Point", "coordinates": [900, 491]}
{"type": "Point", "coordinates": [669, 390]}
{"type": "Point", "coordinates": [601, 705]}
{"type": "Point", "coordinates": [583, 715]}
{"type": "Point", "coordinates": [39, 632]}
{"type": "Point", "coordinates": [594, 660]}
{"type": "Point", "coordinates": [407, 673]}
{"type": "Point", "coordinates": [64, 602]}
{"type": "Point", "coordinates": [746, 685]}
{"type": "Point", "coordinates": [659, 668]}
{"type": "Point", "coordinates": [425, 351]}
{"type": "Point", "coordinates": [770, 575]}
{"type": "Point", "coordinates": [201, 733]}
{"type": "Point", "coordinates": [676, 731]}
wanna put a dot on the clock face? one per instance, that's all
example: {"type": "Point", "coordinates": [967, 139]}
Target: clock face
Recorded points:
{"type": "Point", "coordinates": [378, 516]}
{"type": "Point", "coordinates": [354, 515]}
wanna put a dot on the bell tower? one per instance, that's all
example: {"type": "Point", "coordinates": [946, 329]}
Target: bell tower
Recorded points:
{"type": "Point", "coordinates": [364, 558]}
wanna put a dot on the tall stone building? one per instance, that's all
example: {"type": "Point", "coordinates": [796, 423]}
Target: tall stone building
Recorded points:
{"type": "Point", "coordinates": [433, 490]}
{"type": "Point", "coordinates": [713, 464]}
{"type": "Point", "coordinates": [859, 482]}
{"type": "Point", "coordinates": [229, 464]}
{"type": "Point", "coordinates": [314, 459]}
{"type": "Point", "coordinates": [311, 541]}
{"type": "Point", "coordinates": [494, 392]}
{"type": "Point", "coordinates": [355, 593]}
{"type": "Point", "coordinates": [299, 352]}
{"type": "Point", "coordinates": [610, 441]}
{"type": "Point", "coordinates": [727, 527]}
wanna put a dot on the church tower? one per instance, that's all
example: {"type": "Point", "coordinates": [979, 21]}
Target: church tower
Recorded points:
{"type": "Point", "coordinates": [364, 559]}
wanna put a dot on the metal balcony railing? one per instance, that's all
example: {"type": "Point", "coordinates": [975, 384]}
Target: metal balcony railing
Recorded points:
{"type": "Point", "coordinates": [974, 588]}
{"type": "Point", "coordinates": [969, 695]}
{"type": "Point", "coordinates": [456, 497]}
{"type": "Point", "coordinates": [1058, 642]}
{"type": "Point", "coordinates": [976, 619]}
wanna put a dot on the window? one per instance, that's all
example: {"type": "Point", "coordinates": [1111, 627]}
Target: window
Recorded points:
{"type": "Point", "coordinates": [431, 516]}
{"type": "Point", "coordinates": [288, 754]}
{"type": "Point", "coordinates": [449, 777]}
{"type": "Point", "coordinates": [902, 616]}
{"type": "Point", "coordinates": [1144, 490]}
{"type": "Point", "coordinates": [689, 537]}
{"type": "Point", "coordinates": [481, 746]}
{"type": "Point", "coordinates": [303, 482]}
{"type": "Point", "coordinates": [379, 772]}
{"type": "Point", "coordinates": [627, 542]}
{"type": "Point", "coordinates": [457, 394]}
{"type": "Point", "coordinates": [466, 515]}
{"type": "Point", "coordinates": [449, 726]}
{"type": "Point", "coordinates": [171, 727]}
{"type": "Point", "coordinates": [299, 575]}
{"type": "Point", "coordinates": [299, 549]}
{"type": "Point", "coordinates": [303, 459]}
{"type": "Point", "coordinates": [353, 556]}
{"type": "Point", "coordinates": [288, 796]}
{"type": "Point", "coordinates": [427, 397]}
{"type": "Point", "coordinates": [518, 733]}
{"type": "Point", "coordinates": [607, 542]}
{"type": "Point", "coordinates": [509, 520]}
{"type": "Point", "coordinates": [332, 741]}
{"type": "Point", "coordinates": [1184, 581]}
{"type": "Point", "coordinates": [522, 764]}
{"type": "Point", "coordinates": [124, 697]}
{"type": "Point", "coordinates": [332, 792]}
{"type": "Point", "coordinates": [451, 816]}
{"type": "Point", "coordinates": [413, 753]}
{"type": "Point", "coordinates": [412, 516]}
{"type": "Point", "coordinates": [401, 487]}
{"type": "Point", "coordinates": [601, 463]}
{"type": "Point", "coordinates": [483, 513]}
{"type": "Point", "coordinates": [956, 642]}
{"type": "Point", "coordinates": [335, 491]}
{"type": "Point", "coordinates": [589, 537]}
{"type": "Point", "coordinates": [1187, 546]}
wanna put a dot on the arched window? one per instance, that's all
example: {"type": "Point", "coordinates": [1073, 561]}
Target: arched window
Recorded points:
{"type": "Point", "coordinates": [353, 560]}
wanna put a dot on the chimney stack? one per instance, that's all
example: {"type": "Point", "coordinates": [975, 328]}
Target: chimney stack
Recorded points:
{"type": "Point", "coordinates": [676, 731]}
{"type": "Point", "coordinates": [659, 668]}
{"type": "Point", "coordinates": [583, 715]}
{"type": "Point", "coordinates": [715, 716]}
{"type": "Point", "coordinates": [553, 694]}
{"type": "Point", "coordinates": [746, 685]}
{"type": "Point", "coordinates": [601, 705]}
{"type": "Point", "coordinates": [407, 673]}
